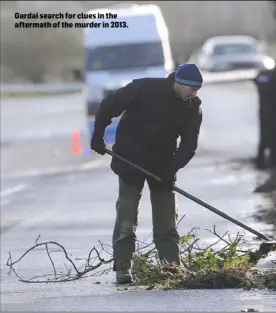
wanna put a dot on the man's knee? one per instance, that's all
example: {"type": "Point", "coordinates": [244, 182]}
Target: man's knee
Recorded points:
{"type": "Point", "coordinates": [125, 228]}
{"type": "Point", "coordinates": [164, 211]}
{"type": "Point", "coordinates": [127, 207]}
{"type": "Point", "coordinates": [169, 234]}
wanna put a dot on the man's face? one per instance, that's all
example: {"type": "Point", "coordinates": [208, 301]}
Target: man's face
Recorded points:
{"type": "Point", "coordinates": [185, 92]}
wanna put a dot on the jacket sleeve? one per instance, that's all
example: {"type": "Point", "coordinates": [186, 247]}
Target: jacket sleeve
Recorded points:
{"type": "Point", "coordinates": [189, 142]}
{"type": "Point", "coordinates": [113, 105]}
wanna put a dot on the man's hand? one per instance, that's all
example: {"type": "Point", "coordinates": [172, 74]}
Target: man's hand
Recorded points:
{"type": "Point", "coordinates": [97, 144]}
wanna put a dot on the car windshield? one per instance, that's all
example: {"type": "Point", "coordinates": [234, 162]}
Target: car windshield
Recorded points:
{"type": "Point", "coordinates": [234, 48]}
{"type": "Point", "coordinates": [124, 56]}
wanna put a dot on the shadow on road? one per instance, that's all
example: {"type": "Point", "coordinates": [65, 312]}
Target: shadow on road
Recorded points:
{"type": "Point", "coordinates": [265, 210]}
{"type": "Point", "coordinates": [266, 213]}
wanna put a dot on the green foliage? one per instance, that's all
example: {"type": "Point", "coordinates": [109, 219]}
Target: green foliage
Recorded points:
{"type": "Point", "coordinates": [210, 267]}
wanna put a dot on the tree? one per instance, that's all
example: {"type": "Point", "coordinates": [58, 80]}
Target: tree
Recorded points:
{"type": "Point", "coordinates": [33, 54]}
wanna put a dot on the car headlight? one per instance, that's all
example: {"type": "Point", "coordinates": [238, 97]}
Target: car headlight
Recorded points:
{"type": "Point", "coordinates": [269, 63]}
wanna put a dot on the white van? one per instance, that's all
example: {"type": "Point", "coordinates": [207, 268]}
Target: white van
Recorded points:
{"type": "Point", "coordinates": [115, 55]}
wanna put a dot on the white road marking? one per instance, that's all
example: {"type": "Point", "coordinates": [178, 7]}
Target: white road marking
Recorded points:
{"type": "Point", "coordinates": [58, 170]}
{"type": "Point", "coordinates": [12, 190]}
{"type": "Point", "coordinates": [93, 164]}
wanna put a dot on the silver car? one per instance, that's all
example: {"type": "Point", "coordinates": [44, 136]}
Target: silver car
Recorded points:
{"type": "Point", "coordinates": [228, 53]}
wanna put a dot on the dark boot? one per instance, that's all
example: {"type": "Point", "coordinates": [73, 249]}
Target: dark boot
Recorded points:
{"type": "Point", "coordinates": [124, 276]}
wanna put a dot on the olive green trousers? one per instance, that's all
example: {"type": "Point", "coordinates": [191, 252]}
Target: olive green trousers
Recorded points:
{"type": "Point", "coordinates": [164, 218]}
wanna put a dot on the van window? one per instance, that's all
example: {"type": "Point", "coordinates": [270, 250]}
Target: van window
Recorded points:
{"type": "Point", "coordinates": [234, 48]}
{"type": "Point", "coordinates": [124, 56]}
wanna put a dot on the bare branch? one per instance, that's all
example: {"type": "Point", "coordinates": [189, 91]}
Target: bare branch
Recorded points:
{"type": "Point", "coordinates": [55, 272]}
{"type": "Point", "coordinates": [188, 252]}
{"type": "Point", "coordinates": [180, 220]}
{"type": "Point", "coordinates": [37, 239]}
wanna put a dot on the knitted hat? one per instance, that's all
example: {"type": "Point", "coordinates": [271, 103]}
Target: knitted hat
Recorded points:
{"type": "Point", "coordinates": [188, 74]}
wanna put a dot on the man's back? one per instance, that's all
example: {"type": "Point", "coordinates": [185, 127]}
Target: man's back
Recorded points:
{"type": "Point", "coordinates": [148, 130]}
{"type": "Point", "coordinates": [154, 113]}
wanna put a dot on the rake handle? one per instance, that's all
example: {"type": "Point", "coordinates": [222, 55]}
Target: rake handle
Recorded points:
{"type": "Point", "coordinates": [191, 197]}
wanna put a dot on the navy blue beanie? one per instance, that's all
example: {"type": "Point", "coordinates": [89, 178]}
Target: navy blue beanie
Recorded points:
{"type": "Point", "coordinates": [188, 74]}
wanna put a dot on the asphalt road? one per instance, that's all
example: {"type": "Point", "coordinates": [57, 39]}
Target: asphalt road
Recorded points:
{"type": "Point", "coordinates": [46, 190]}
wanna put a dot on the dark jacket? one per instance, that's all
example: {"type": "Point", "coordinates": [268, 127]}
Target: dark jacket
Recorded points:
{"type": "Point", "coordinates": [153, 118]}
{"type": "Point", "coordinates": [266, 85]}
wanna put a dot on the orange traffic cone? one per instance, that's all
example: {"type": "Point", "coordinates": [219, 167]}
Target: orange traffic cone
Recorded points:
{"type": "Point", "coordinates": [76, 142]}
